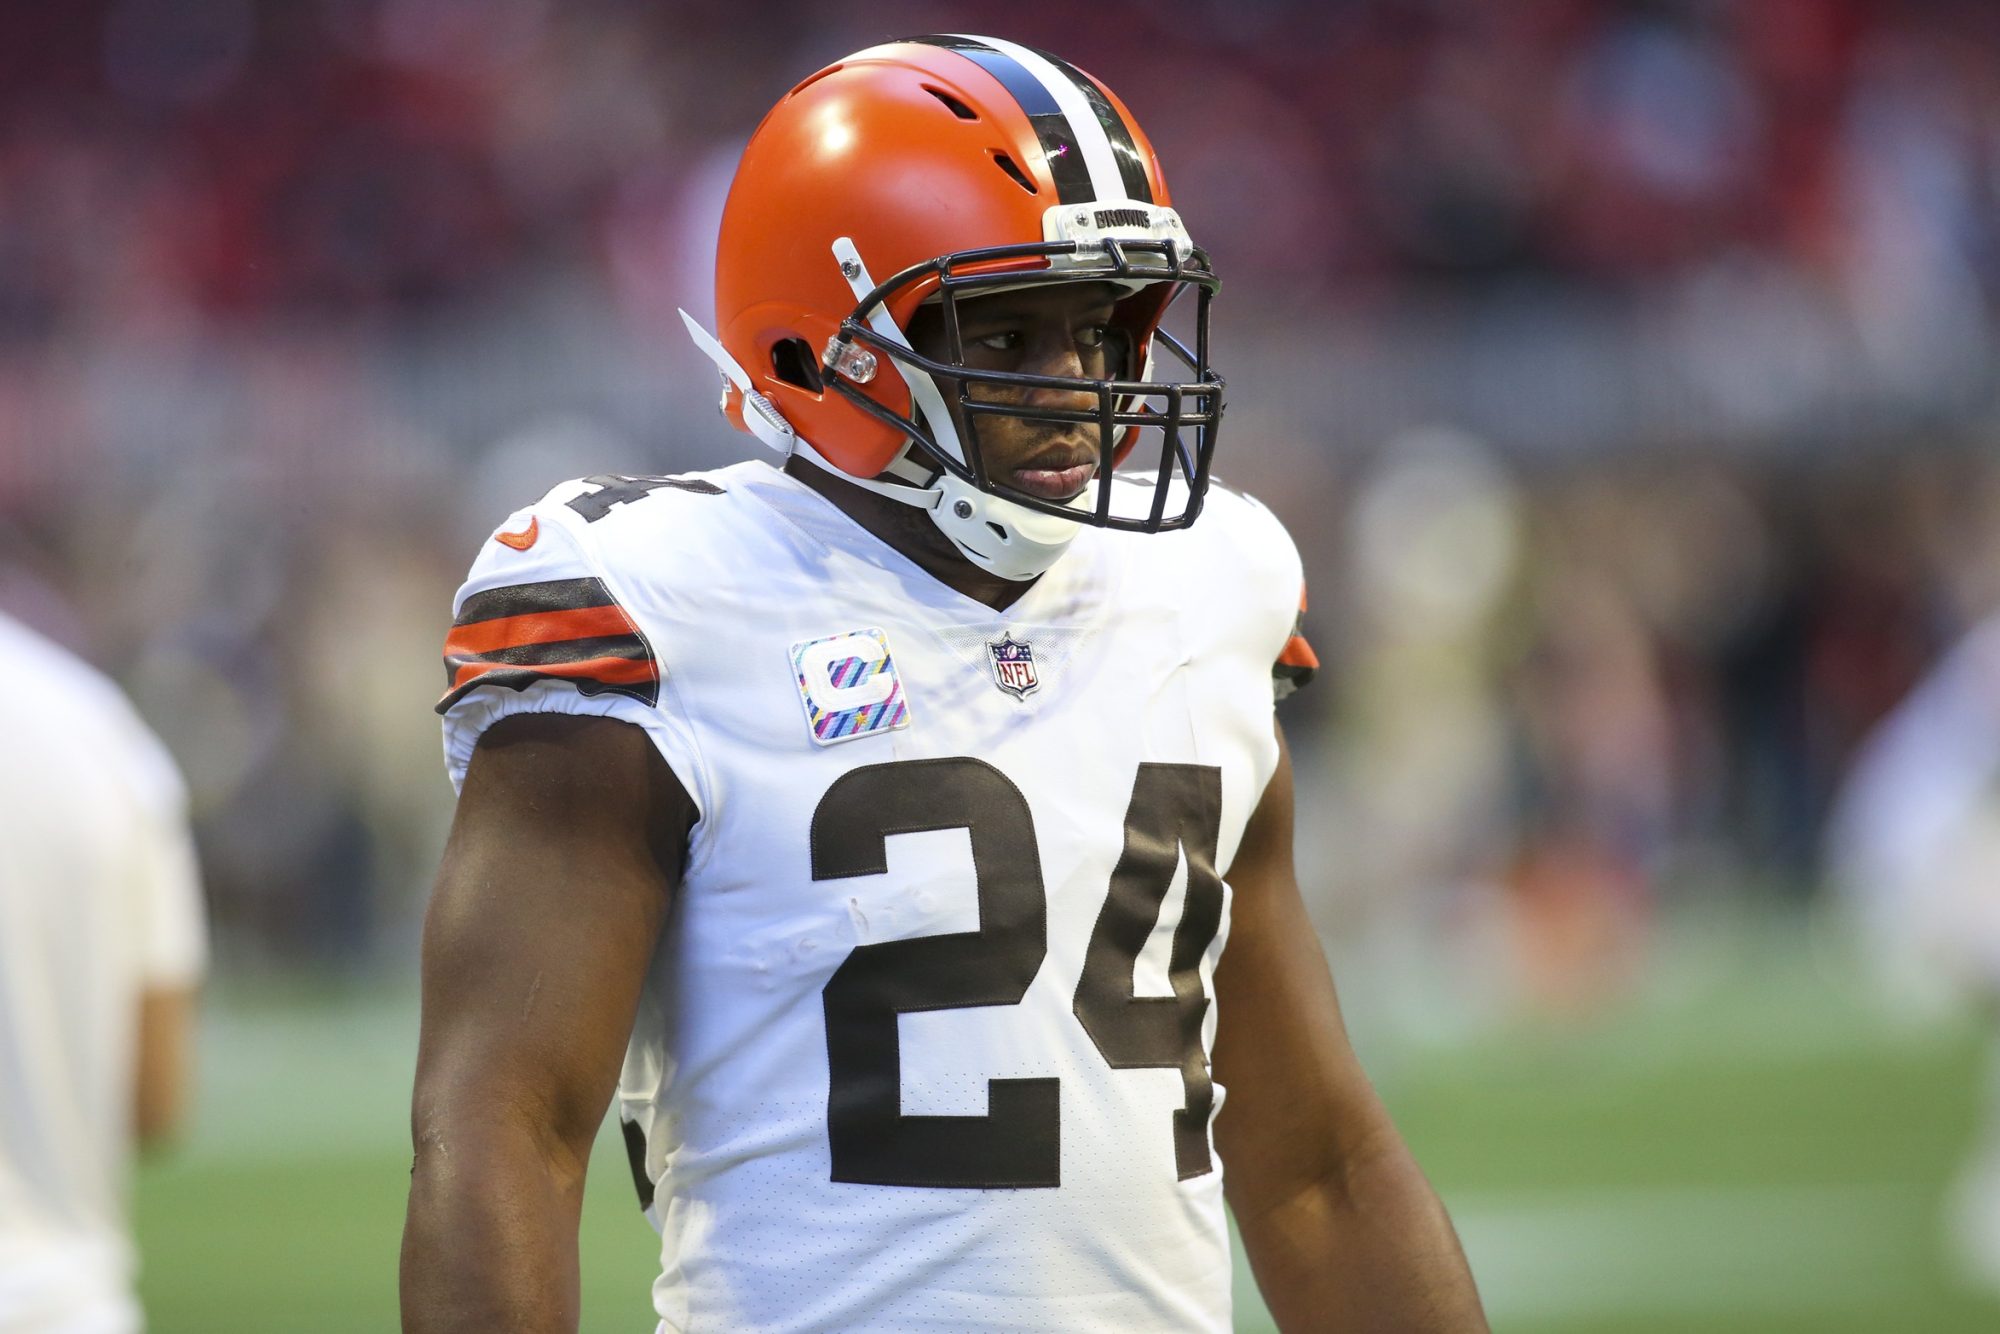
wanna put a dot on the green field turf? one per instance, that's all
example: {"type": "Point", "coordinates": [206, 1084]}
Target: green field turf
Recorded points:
{"type": "Point", "coordinates": [1752, 1150]}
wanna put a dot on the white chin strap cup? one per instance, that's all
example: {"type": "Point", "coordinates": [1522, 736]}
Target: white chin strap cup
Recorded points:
{"type": "Point", "coordinates": [1009, 540]}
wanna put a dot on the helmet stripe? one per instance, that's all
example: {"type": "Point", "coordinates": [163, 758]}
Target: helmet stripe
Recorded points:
{"type": "Point", "coordinates": [1124, 148]}
{"type": "Point", "coordinates": [1074, 142]}
{"type": "Point", "coordinates": [1106, 181]}
{"type": "Point", "coordinates": [1058, 139]}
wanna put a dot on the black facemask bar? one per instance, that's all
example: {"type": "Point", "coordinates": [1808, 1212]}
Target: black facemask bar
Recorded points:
{"type": "Point", "coordinates": [1193, 406]}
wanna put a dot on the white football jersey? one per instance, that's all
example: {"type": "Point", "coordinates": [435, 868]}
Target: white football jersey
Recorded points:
{"type": "Point", "coordinates": [925, 1042]}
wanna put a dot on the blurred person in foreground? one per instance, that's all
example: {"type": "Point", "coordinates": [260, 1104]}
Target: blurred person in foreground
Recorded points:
{"type": "Point", "coordinates": [1914, 846]}
{"type": "Point", "coordinates": [884, 815]}
{"type": "Point", "coordinates": [102, 944]}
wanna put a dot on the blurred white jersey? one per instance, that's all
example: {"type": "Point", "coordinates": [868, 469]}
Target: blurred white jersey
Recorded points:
{"type": "Point", "coordinates": [925, 1043]}
{"type": "Point", "coordinates": [98, 902]}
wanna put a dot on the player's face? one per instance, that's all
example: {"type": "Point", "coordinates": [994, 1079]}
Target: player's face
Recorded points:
{"type": "Point", "coordinates": [1058, 330]}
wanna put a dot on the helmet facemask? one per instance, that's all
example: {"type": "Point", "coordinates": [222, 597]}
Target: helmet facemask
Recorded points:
{"type": "Point", "coordinates": [1176, 417]}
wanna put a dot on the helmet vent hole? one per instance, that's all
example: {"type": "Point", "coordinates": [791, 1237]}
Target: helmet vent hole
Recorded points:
{"type": "Point", "coordinates": [957, 108]}
{"type": "Point", "coordinates": [792, 362]}
{"type": "Point", "coordinates": [1006, 164]}
{"type": "Point", "coordinates": [998, 531]}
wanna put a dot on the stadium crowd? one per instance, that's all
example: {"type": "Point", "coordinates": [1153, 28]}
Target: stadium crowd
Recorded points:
{"type": "Point", "coordinates": [1623, 368]}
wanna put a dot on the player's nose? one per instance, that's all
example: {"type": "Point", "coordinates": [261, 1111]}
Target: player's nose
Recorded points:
{"type": "Point", "coordinates": [1056, 352]}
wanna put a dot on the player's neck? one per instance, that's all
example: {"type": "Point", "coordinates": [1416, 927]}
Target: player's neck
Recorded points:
{"type": "Point", "coordinates": [910, 531]}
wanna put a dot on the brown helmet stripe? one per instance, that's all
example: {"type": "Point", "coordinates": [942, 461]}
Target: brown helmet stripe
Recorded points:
{"type": "Point", "coordinates": [1058, 137]}
{"type": "Point", "coordinates": [1131, 162]}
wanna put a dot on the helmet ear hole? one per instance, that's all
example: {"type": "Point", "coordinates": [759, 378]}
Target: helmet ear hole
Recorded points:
{"type": "Point", "coordinates": [792, 362]}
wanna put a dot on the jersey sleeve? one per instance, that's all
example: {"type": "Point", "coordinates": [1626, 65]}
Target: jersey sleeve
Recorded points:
{"type": "Point", "coordinates": [162, 871]}
{"type": "Point", "coordinates": [538, 627]}
{"type": "Point", "coordinates": [1270, 572]}
{"type": "Point", "coordinates": [1296, 663]}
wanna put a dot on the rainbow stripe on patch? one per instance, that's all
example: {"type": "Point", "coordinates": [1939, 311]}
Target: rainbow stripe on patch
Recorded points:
{"type": "Point", "coordinates": [849, 686]}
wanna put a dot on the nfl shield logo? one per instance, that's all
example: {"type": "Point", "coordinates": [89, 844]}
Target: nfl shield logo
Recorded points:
{"type": "Point", "coordinates": [1013, 666]}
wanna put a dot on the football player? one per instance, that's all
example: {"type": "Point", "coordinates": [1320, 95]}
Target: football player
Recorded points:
{"type": "Point", "coordinates": [872, 825]}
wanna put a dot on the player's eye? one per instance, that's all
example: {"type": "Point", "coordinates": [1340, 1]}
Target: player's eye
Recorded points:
{"type": "Point", "coordinates": [1003, 340]}
{"type": "Point", "coordinates": [1093, 335]}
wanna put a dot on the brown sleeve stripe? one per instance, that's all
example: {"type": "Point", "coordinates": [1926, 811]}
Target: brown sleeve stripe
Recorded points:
{"type": "Point", "coordinates": [1297, 663]}
{"type": "Point", "coordinates": [533, 599]}
{"type": "Point", "coordinates": [568, 630]}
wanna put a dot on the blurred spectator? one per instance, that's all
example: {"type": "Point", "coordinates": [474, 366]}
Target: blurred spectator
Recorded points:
{"type": "Point", "coordinates": [101, 947]}
{"type": "Point", "coordinates": [1623, 367]}
{"type": "Point", "coordinates": [1915, 847]}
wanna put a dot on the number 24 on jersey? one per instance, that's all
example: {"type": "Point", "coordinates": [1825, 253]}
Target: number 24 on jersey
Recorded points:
{"type": "Point", "coordinates": [1175, 813]}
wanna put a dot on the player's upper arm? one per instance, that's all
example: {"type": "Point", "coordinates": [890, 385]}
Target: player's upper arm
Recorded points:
{"type": "Point", "coordinates": [576, 803]}
{"type": "Point", "coordinates": [1299, 1108]}
{"type": "Point", "coordinates": [165, 882]}
{"type": "Point", "coordinates": [555, 883]}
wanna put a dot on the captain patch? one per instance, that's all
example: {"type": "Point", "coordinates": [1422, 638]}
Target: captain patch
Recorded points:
{"type": "Point", "coordinates": [849, 686]}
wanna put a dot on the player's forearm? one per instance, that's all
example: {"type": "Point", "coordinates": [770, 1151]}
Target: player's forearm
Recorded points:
{"type": "Point", "coordinates": [490, 1243]}
{"type": "Point", "coordinates": [166, 1040]}
{"type": "Point", "coordinates": [1366, 1248]}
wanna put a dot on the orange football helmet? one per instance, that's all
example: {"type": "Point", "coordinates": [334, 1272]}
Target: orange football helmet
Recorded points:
{"type": "Point", "coordinates": [931, 170]}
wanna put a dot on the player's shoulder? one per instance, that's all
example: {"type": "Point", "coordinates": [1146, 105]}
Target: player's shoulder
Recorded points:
{"type": "Point", "coordinates": [588, 525]}
{"type": "Point", "coordinates": [1239, 520]}
{"type": "Point", "coordinates": [42, 673]}
{"type": "Point", "coordinates": [34, 659]}
{"type": "Point", "coordinates": [49, 680]}
{"type": "Point", "coordinates": [605, 508]}
{"type": "Point", "coordinates": [1235, 539]}
{"type": "Point", "coordinates": [578, 587]}
{"type": "Point", "coordinates": [1234, 574]}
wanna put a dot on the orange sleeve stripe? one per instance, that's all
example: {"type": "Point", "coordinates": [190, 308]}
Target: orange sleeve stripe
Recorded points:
{"type": "Point", "coordinates": [610, 671]}
{"type": "Point", "coordinates": [545, 627]}
{"type": "Point", "coordinates": [1298, 653]}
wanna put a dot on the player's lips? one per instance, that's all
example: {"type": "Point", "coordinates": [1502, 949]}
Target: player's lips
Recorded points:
{"type": "Point", "coordinates": [1058, 475]}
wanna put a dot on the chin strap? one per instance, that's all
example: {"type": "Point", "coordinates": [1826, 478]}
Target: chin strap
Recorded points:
{"type": "Point", "coordinates": [923, 390]}
{"type": "Point", "coordinates": [769, 425]}
{"type": "Point", "coordinates": [995, 534]}
{"type": "Point", "coordinates": [759, 413]}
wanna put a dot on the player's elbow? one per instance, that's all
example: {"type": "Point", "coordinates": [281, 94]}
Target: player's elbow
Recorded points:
{"type": "Point", "coordinates": [156, 1123]}
{"type": "Point", "coordinates": [475, 1127]}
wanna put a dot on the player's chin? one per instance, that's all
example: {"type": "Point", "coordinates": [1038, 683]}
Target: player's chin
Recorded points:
{"type": "Point", "coordinates": [1060, 485]}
